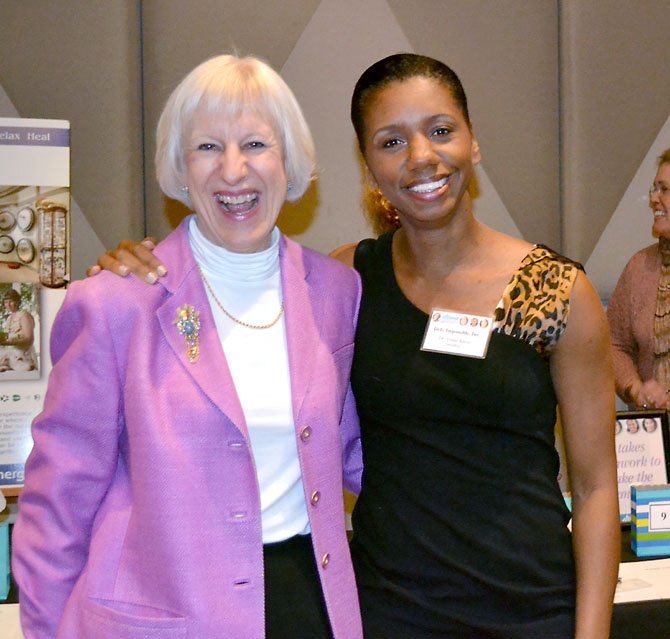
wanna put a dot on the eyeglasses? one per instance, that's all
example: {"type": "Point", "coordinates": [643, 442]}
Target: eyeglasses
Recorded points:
{"type": "Point", "coordinates": [661, 190]}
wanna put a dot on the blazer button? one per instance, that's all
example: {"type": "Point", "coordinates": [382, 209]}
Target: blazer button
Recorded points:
{"type": "Point", "coordinates": [314, 499]}
{"type": "Point", "coordinates": [325, 560]}
{"type": "Point", "coordinates": [306, 433]}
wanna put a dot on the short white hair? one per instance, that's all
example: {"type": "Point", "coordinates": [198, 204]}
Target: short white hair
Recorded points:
{"type": "Point", "coordinates": [228, 86]}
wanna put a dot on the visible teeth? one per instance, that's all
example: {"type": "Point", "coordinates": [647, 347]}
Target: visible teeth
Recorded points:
{"type": "Point", "coordinates": [236, 199]}
{"type": "Point", "coordinates": [428, 186]}
{"type": "Point", "coordinates": [659, 214]}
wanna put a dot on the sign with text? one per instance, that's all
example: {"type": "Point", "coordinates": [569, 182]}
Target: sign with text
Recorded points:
{"type": "Point", "coordinates": [457, 333]}
{"type": "Point", "coordinates": [34, 273]}
{"type": "Point", "coordinates": [642, 441]}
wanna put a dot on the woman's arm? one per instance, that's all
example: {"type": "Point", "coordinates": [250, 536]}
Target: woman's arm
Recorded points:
{"type": "Point", "coordinates": [581, 368]}
{"type": "Point", "coordinates": [138, 258]}
{"type": "Point", "coordinates": [72, 463]}
{"type": "Point", "coordinates": [352, 455]}
{"type": "Point", "coordinates": [24, 337]}
{"type": "Point", "coordinates": [630, 386]}
{"type": "Point", "coordinates": [27, 334]}
{"type": "Point", "coordinates": [624, 348]}
{"type": "Point", "coordinates": [131, 257]}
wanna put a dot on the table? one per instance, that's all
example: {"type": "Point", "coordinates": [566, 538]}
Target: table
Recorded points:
{"type": "Point", "coordinates": [648, 619]}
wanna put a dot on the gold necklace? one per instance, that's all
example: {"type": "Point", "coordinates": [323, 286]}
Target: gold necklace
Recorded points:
{"type": "Point", "coordinates": [232, 317]}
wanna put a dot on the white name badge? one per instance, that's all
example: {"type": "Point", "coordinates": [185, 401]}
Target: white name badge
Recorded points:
{"type": "Point", "coordinates": [455, 333]}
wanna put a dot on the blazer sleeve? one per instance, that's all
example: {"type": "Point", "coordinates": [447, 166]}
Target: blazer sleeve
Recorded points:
{"type": "Point", "coordinates": [73, 461]}
{"type": "Point", "coordinates": [352, 454]}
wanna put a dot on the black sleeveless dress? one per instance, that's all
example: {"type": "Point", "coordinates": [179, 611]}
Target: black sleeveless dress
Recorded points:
{"type": "Point", "coordinates": [461, 529]}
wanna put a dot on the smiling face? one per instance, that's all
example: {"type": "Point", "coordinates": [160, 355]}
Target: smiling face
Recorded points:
{"type": "Point", "coordinates": [649, 424]}
{"type": "Point", "coordinates": [419, 150]}
{"type": "Point", "coordinates": [659, 202]}
{"type": "Point", "coordinates": [236, 179]}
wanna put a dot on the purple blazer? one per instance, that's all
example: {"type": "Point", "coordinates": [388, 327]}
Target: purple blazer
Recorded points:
{"type": "Point", "coordinates": [140, 516]}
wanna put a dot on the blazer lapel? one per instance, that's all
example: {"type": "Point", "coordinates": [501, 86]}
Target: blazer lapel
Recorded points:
{"type": "Point", "coordinates": [210, 372]}
{"type": "Point", "coordinates": [303, 316]}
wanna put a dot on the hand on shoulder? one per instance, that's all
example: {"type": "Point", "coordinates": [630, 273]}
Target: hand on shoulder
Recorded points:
{"type": "Point", "coordinates": [131, 257]}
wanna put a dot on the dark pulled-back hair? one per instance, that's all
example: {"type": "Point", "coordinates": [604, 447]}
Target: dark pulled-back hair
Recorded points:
{"type": "Point", "coordinates": [397, 68]}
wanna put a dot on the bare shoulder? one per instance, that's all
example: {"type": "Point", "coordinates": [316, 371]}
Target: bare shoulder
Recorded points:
{"type": "Point", "coordinates": [507, 251]}
{"type": "Point", "coordinates": [511, 243]}
{"type": "Point", "coordinates": [587, 321]}
{"type": "Point", "coordinates": [584, 296]}
{"type": "Point", "coordinates": [344, 254]}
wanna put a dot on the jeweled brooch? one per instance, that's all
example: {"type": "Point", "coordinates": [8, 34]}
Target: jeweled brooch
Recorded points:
{"type": "Point", "coordinates": [187, 321]}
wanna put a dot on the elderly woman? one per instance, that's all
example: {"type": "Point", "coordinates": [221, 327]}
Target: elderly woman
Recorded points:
{"type": "Point", "coordinates": [639, 310]}
{"type": "Point", "coordinates": [187, 473]}
{"type": "Point", "coordinates": [18, 336]}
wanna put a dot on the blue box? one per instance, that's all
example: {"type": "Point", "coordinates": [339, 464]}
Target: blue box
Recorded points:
{"type": "Point", "coordinates": [650, 520]}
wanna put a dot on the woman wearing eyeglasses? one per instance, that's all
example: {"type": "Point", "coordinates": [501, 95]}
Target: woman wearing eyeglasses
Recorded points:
{"type": "Point", "coordinates": [639, 311]}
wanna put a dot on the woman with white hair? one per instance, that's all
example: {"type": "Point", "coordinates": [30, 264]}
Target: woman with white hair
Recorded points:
{"type": "Point", "coordinates": [187, 473]}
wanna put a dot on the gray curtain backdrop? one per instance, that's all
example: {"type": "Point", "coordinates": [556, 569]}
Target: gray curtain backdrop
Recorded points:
{"type": "Point", "coordinates": [570, 101]}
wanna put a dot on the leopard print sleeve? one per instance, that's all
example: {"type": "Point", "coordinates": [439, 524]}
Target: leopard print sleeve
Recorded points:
{"type": "Point", "coordinates": [536, 302]}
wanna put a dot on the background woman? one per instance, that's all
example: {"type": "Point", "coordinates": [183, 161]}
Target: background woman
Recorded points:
{"type": "Point", "coordinates": [193, 433]}
{"type": "Point", "coordinates": [639, 310]}
{"type": "Point", "coordinates": [18, 336]}
{"type": "Point", "coordinates": [460, 529]}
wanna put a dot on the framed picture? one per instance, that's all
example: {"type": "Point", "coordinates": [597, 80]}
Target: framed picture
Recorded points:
{"type": "Point", "coordinates": [642, 452]}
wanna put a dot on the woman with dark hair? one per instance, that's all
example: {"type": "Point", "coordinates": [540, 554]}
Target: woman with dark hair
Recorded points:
{"type": "Point", "coordinates": [460, 529]}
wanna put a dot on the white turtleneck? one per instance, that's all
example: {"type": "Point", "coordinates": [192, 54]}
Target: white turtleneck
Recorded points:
{"type": "Point", "coordinates": [248, 286]}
